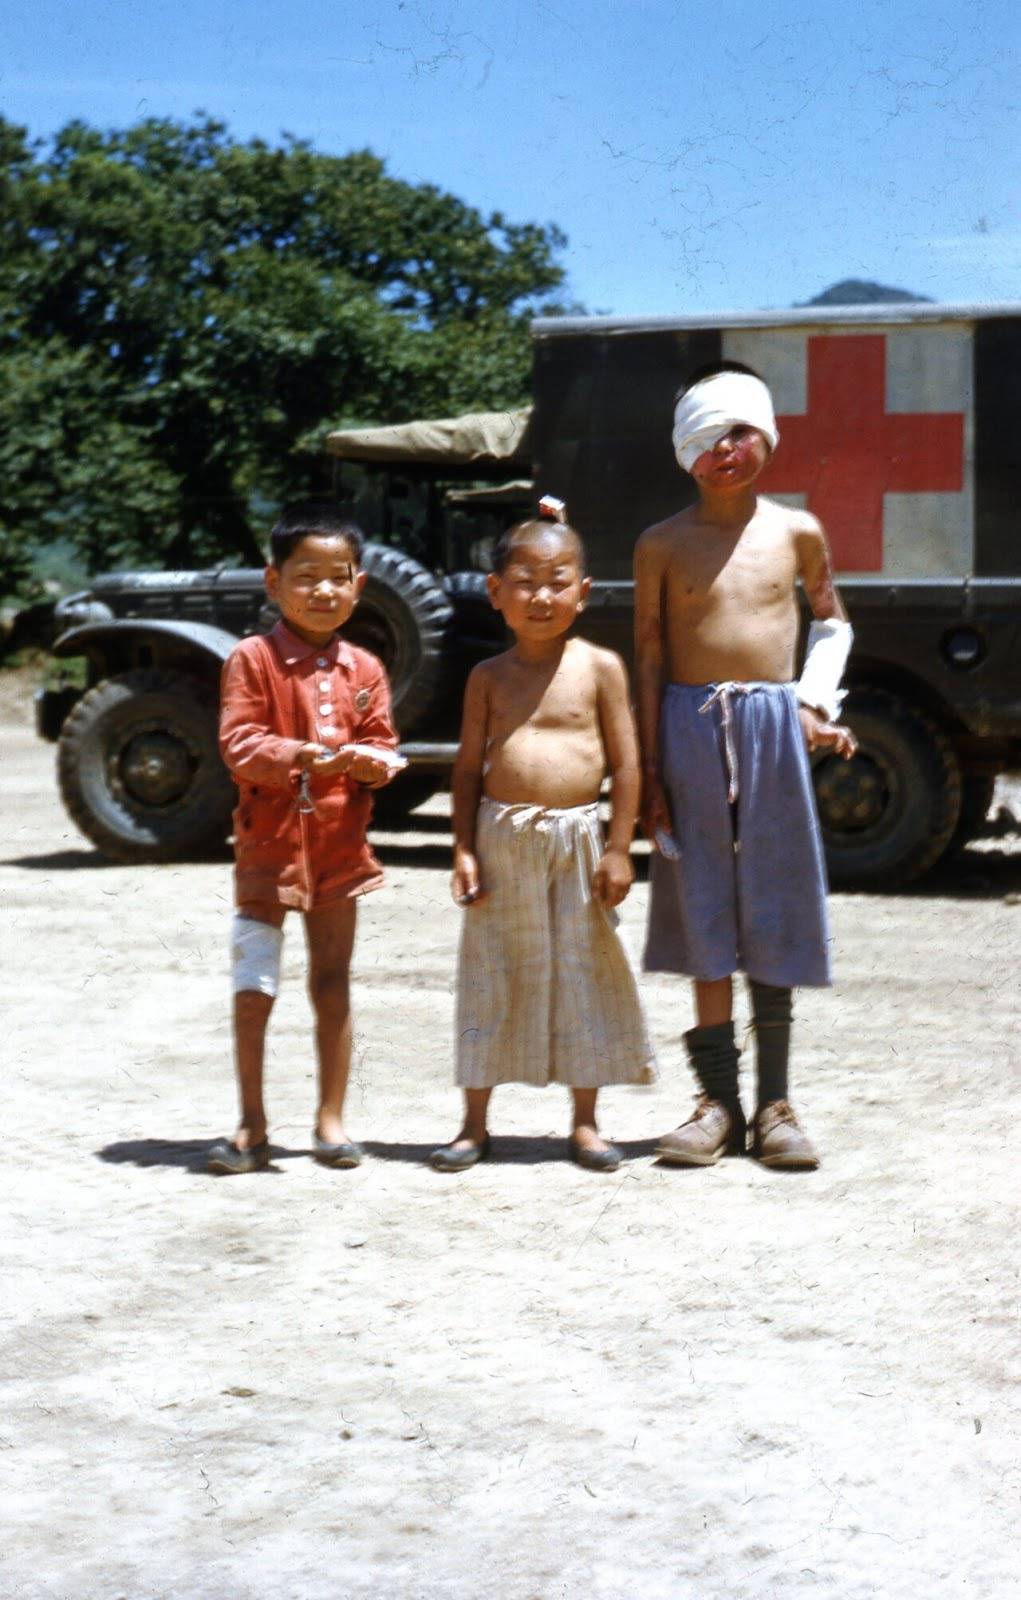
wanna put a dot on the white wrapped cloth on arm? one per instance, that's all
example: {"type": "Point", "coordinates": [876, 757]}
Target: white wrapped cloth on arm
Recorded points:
{"type": "Point", "coordinates": [829, 645]}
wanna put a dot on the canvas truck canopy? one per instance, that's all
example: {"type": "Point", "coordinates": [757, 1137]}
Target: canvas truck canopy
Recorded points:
{"type": "Point", "coordinates": [482, 439]}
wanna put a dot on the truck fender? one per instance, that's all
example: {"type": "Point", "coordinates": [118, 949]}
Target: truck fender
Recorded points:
{"type": "Point", "coordinates": [110, 645]}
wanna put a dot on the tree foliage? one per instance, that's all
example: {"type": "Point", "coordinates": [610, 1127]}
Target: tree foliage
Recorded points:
{"type": "Point", "coordinates": [181, 314]}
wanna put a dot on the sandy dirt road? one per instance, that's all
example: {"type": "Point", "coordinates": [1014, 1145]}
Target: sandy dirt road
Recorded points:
{"type": "Point", "coordinates": [528, 1382]}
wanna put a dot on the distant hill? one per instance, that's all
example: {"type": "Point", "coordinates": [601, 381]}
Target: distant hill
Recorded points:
{"type": "Point", "coordinates": [859, 292]}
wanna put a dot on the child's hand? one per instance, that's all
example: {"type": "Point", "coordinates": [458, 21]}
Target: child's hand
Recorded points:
{"type": "Point", "coordinates": [613, 877]}
{"type": "Point", "coordinates": [327, 763]}
{"type": "Point", "coordinates": [372, 771]}
{"type": "Point", "coordinates": [465, 885]}
{"type": "Point", "coordinates": [310, 755]}
{"type": "Point", "coordinates": [655, 813]}
{"type": "Point", "coordinates": [822, 735]}
{"type": "Point", "coordinates": [369, 770]}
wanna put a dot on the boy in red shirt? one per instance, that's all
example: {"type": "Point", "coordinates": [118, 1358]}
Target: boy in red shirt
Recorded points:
{"type": "Point", "coordinates": [306, 731]}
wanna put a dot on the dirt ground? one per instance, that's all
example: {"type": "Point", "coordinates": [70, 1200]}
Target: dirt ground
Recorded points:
{"type": "Point", "coordinates": [529, 1382]}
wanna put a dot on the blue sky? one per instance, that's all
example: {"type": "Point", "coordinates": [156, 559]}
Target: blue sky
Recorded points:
{"type": "Point", "coordinates": [698, 156]}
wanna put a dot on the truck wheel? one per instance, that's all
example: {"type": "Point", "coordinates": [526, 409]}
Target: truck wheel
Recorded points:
{"type": "Point", "coordinates": [404, 618]}
{"type": "Point", "coordinates": [890, 812]}
{"type": "Point", "coordinates": [977, 792]}
{"type": "Point", "coordinates": [140, 771]}
{"type": "Point", "coordinates": [392, 806]}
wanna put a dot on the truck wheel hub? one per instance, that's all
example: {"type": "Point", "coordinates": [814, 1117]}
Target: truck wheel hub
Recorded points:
{"type": "Point", "coordinates": [852, 795]}
{"type": "Point", "coordinates": [155, 768]}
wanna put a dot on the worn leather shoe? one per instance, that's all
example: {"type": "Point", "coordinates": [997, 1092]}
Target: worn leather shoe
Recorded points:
{"type": "Point", "coordinates": [780, 1141]}
{"type": "Point", "coordinates": [711, 1132]}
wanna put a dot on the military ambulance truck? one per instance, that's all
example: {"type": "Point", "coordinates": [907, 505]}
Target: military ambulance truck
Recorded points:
{"type": "Point", "coordinates": [900, 428]}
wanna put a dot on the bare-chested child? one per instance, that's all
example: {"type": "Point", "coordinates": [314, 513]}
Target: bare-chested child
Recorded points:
{"type": "Point", "coordinates": [545, 990]}
{"type": "Point", "coordinates": [738, 879]}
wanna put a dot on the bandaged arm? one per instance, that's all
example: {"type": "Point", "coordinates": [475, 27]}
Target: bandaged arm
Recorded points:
{"type": "Point", "coordinates": [829, 645]}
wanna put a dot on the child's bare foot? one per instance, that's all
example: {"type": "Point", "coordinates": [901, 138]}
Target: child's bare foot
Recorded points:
{"type": "Point", "coordinates": [587, 1137]}
{"type": "Point", "coordinates": [250, 1134]}
{"type": "Point", "coordinates": [330, 1129]}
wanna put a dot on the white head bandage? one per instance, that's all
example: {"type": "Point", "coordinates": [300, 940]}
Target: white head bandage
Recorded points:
{"type": "Point", "coordinates": [255, 952]}
{"type": "Point", "coordinates": [709, 409]}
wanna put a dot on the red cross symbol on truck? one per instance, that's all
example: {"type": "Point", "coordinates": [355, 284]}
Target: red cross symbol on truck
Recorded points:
{"type": "Point", "coordinates": [848, 450]}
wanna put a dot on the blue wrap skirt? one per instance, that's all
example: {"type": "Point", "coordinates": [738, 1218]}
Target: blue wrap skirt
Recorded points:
{"type": "Point", "coordinates": [748, 890]}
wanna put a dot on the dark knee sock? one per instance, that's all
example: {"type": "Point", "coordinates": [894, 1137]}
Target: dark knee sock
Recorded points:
{"type": "Point", "coordinates": [772, 1012]}
{"type": "Point", "coordinates": [714, 1061]}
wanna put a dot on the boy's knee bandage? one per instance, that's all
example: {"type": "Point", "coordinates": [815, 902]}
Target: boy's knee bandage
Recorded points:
{"type": "Point", "coordinates": [829, 645]}
{"type": "Point", "coordinates": [255, 952]}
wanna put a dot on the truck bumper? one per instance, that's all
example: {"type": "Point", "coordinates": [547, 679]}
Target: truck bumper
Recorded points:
{"type": "Point", "coordinates": [52, 707]}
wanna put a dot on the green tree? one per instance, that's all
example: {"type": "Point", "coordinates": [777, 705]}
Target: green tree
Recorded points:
{"type": "Point", "coordinates": [181, 314]}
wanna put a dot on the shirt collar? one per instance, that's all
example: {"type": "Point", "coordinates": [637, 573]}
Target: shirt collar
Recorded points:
{"type": "Point", "coordinates": [292, 650]}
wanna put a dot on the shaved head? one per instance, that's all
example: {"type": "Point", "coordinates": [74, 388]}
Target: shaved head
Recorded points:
{"type": "Point", "coordinates": [537, 531]}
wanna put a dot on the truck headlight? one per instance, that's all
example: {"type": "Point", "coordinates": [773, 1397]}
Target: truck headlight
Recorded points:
{"type": "Point", "coordinates": [963, 648]}
{"type": "Point", "coordinates": [77, 610]}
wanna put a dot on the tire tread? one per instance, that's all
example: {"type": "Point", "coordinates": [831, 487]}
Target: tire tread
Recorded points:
{"type": "Point", "coordinates": [76, 728]}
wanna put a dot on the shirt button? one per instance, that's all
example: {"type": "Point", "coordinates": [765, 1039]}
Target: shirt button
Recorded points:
{"type": "Point", "coordinates": [321, 661]}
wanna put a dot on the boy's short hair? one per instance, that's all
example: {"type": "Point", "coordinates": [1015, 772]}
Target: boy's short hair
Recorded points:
{"type": "Point", "coordinates": [533, 528]}
{"type": "Point", "coordinates": [306, 519]}
{"type": "Point", "coordinates": [712, 369]}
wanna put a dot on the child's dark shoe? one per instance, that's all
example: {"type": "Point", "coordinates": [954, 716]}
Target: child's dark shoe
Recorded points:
{"type": "Point", "coordinates": [336, 1155]}
{"type": "Point", "coordinates": [460, 1155]}
{"type": "Point", "coordinates": [608, 1159]}
{"type": "Point", "coordinates": [780, 1141]}
{"type": "Point", "coordinates": [711, 1132]}
{"type": "Point", "coordinates": [225, 1157]}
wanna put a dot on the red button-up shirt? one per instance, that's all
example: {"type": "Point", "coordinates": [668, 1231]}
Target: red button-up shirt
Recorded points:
{"type": "Point", "coordinates": [277, 694]}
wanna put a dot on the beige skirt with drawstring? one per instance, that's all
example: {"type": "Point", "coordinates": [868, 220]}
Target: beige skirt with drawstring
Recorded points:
{"type": "Point", "coordinates": [545, 992]}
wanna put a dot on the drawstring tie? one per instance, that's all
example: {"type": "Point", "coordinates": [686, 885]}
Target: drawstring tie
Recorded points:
{"type": "Point", "coordinates": [722, 695]}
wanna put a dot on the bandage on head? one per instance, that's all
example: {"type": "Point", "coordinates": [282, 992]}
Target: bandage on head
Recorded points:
{"type": "Point", "coordinates": [707, 411]}
{"type": "Point", "coordinates": [255, 955]}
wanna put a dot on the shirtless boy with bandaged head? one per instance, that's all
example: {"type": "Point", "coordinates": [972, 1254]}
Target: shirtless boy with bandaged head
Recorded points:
{"type": "Point", "coordinates": [738, 880]}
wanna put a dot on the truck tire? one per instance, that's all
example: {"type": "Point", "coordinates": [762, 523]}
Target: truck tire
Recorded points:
{"type": "Point", "coordinates": [890, 812]}
{"type": "Point", "coordinates": [404, 618]}
{"type": "Point", "coordinates": [977, 792]}
{"type": "Point", "coordinates": [140, 770]}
